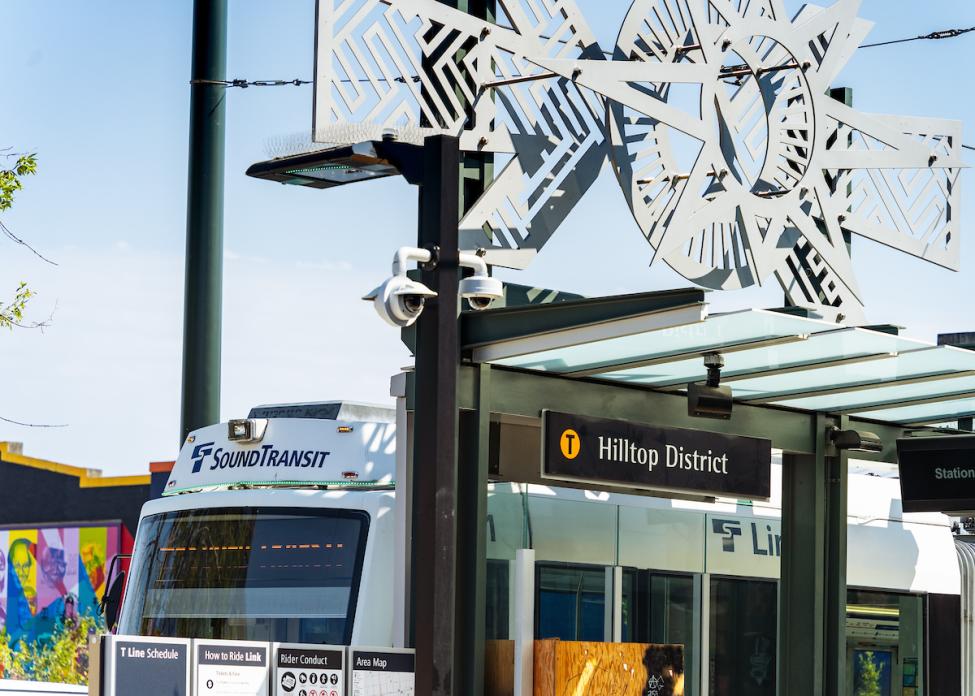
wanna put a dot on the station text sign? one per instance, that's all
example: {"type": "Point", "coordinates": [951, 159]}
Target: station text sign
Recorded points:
{"type": "Point", "coordinates": [937, 474]}
{"type": "Point", "coordinates": [634, 455]}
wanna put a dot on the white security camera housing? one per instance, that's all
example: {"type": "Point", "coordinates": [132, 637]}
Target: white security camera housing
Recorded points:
{"type": "Point", "coordinates": [400, 300]}
{"type": "Point", "coordinates": [481, 291]}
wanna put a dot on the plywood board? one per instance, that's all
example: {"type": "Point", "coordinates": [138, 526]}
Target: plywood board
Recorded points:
{"type": "Point", "coordinates": [570, 668]}
{"type": "Point", "coordinates": [499, 668]}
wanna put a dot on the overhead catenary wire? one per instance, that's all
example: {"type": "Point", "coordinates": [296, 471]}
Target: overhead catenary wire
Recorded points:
{"type": "Point", "coordinates": [297, 82]}
{"type": "Point", "coordinates": [933, 36]}
{"type": "Point", "coordinates": [244, 84]}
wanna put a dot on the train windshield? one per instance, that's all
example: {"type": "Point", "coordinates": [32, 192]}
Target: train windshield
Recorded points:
{"type": "Point", "coordinates": [270, 574]}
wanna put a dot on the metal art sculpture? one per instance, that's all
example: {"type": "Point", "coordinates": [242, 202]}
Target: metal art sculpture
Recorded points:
{"type": "Point", "coordinates": [714, 114]}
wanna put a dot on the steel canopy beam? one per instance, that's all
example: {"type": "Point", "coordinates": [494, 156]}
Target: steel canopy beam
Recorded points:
{"type": "Point", "coordinates": [592, 333]}
{"type": "Point", "coordinates": [511, 323]}
{"type": "Point", "coordinates": [526, 393]}
{"type": "Point", "coordinates": [730, 347]}
{"type": "Point", "coordinates": [858, 386]}
{"type": "Point", "coordinates": [944, 417]}
{"type": "Point", "coordinates": [903, 403]}
{"type": "Point", "coordinates": [786, 369]}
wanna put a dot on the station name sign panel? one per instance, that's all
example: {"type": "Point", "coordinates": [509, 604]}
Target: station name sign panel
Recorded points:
{"type": "Point", "coordinates": [634, 455]}
{"type": "Point", "coordinates": [937, 474]}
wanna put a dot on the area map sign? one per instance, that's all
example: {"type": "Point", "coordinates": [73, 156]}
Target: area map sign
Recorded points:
{"type": "Point", "coordinates": [382, 672]}
{"type": "Point", "coordinates": [635, 455]}
{"type": "Point", "coordinates": [937, 474]}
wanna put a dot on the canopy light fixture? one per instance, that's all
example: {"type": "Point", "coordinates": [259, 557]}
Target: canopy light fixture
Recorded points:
{"type": "Point", "coordinates": [854, 440]}
{"type": "Point", "coordinates": [710, 400]}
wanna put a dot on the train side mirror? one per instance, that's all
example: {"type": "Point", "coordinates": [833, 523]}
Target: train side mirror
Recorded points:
{"type": "Point", "coordinates": [112, 601]}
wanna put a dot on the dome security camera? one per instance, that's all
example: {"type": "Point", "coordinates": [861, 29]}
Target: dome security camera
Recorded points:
{"type": "Point", "coordinates": [399, 300]}
{"type": "Point", "coordinates": [481, 290]}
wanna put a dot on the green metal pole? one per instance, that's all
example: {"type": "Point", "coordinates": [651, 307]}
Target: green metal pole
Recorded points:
{"type": "Point", "coordinates": [837, 464]}
{"type": "Point", "coordinates": [802, 592]}
{"type": "Point", "coordinates": [203, 290]}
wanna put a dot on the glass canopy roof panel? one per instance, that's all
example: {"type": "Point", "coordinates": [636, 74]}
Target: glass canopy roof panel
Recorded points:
{"type": "Point", "coordinates": [914, 365]}
{"type": "Point", "coordinates": [939, 412]}
{"type": "Point", "coordinates": [850, 344]}
{"type": "Point", "coordinates": [718, 332]}
{"type": "Point", "coordinates": [892, 396]}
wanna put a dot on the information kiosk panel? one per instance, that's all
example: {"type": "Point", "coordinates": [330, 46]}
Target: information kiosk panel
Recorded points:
{"type": "Point", "coordinates": [308, 670]}
{"type": "Point", "coordinates": [135, 666]}
{"type": "Point", "coordinates": [230, 668]}
{"type": "Point", "coordinates": [382, 672]}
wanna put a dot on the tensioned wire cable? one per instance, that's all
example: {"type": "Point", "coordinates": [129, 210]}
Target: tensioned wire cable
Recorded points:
{"type": "Point", "coordinates": [244, 84]}
{"type": "Point", "coordinates": [933, 36]}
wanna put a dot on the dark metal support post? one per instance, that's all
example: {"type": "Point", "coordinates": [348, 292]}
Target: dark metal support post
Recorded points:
{"type": "Point", "coordinates": [802, 600]}
{"type": "Point", "coordinates": [203, 290]}
{"type": "Point", "coordinates": [472, 541]}
{"type": "Point", "coordinates": [435, 612]}
{"type": "Point", "coordinates": [812, 594]}
{"type": "Point", "coordinates": [837, 464]}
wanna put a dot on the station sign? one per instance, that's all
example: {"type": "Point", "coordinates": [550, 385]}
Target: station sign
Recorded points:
{"type": "Point", "coordinates": [382, 671]}
{"type": "Point", "coordinates": [230, 668]}
{"type": "Point", "coordinates": [937, 474]}
{"type": "Point", "coordinates": [308, 670]}
{"type": "Point", "coordinates": [635, 455]}
{"type": "Point", "coordinates": [136, 665]}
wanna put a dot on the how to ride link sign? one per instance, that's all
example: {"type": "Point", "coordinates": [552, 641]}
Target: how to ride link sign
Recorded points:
{"type": "Point", "coordinates": [634, 455]}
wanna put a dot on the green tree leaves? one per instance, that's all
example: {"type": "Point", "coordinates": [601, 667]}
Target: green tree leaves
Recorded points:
{"type": "Point", "coordinates": [12, 313]}
{"type": "Point", "coordinates": [11, 179]}
{"type": "Point", "coordinates": [869, 682]}
{"type": "Point", "coordinates": [61, 657]}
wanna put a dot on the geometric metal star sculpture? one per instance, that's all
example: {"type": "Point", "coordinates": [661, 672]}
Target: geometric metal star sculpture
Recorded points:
{"type": "Point", "coordinates": [715, 115]}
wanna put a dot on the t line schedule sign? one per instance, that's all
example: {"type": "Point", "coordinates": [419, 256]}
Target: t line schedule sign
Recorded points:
{"type": "Point", "coordinates": [135, 666]}
{"type": "Point", "coordinates": [309, 670]}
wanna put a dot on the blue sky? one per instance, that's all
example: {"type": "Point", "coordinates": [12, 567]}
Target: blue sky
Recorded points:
{"type": "Point", "coordinates": [99, 90]}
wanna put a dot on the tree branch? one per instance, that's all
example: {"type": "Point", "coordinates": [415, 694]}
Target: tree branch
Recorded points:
{"type": "Point", "coordinates": [34, 425]}
{"type": "Point", "coordinates": [18, 240]}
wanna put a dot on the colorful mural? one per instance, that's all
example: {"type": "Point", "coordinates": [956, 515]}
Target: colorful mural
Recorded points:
{"type": "Point", "coordinates": [49, 573]}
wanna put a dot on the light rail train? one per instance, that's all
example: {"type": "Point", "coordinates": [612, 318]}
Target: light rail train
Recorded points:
{"type": "Point", "coordinates": [283, 527]}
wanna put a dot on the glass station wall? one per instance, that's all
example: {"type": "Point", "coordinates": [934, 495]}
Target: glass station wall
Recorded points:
{"type": "Point", "coordinates": [727, 622]}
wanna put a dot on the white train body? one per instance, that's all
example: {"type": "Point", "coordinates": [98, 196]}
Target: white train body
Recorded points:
{"type": "Point", "coordinates": [294, 537]}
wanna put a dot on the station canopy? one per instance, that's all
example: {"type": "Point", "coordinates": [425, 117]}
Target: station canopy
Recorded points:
{"type": "Point", "coordinates": [774, 357]}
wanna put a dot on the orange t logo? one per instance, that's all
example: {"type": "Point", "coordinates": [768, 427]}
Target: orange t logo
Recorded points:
{"type": "Point", "coordinates": [569, 444]}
